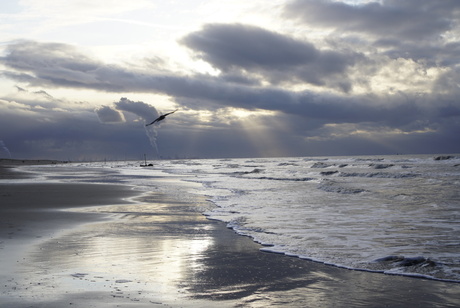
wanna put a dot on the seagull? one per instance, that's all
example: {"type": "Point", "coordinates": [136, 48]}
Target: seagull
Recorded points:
{"type": "Point", "coordinates": [162, 117]}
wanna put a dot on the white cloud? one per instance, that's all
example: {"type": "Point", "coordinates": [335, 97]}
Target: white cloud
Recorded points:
{"type": "Point", "coordinates": [328, 72]}
{"type": "Point", "coordinates": [80, 10]}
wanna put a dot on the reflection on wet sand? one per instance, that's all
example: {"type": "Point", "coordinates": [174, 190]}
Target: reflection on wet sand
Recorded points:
{"type": "Point", "coordinates": [145, 253]}
{"type": "Point", "coordinates": [163, 252]}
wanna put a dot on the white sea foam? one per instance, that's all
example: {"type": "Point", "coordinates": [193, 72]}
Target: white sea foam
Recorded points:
{"type": "Point", "coordinates": [353, 212]}
{"type": "Point", "coordinates": [343, 211]}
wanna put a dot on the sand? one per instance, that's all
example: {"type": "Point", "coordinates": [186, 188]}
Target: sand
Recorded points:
{"type": "Point", "coordinates": [93, 245]}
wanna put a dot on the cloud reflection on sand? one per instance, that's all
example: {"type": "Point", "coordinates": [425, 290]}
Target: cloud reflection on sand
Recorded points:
{"type": "Point", "coordinates": [141, 252]}
{"type": "Point", "coordinates": [160, 251]}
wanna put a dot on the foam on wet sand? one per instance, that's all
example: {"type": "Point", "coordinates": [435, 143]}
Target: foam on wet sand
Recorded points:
{"type": "Point", "coordinates": [85, 245]}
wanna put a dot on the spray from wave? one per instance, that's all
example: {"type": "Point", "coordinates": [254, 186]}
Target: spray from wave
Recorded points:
{"type": "Point", "coordinates": [4, 150]}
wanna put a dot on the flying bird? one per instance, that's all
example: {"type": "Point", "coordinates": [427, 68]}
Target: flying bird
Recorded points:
{"type": "Point", "coordinates": [162, 117]}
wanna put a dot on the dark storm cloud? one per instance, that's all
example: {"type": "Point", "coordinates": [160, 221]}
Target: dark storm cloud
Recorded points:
{"type": "Point", "coordinates": [107, 114]}
{"type": "Point", "coordinates": [448, 82]}
{"type": "Point", "coordinates": [274, 57]}
{"type": "Point", "coordinates": [416, 29]}
{"type": "Point", "coordinates": [115, 113]}
{"type": "Point", "coordinates": [408, 19]}
{"type": "Point", "coordinates": [236, 45]}
{"type": "Point", "coordinates": [78, 134]}
{"type": "Point", "coordinates": [258, 68]}
{"type": "Point", "coordinates": [209, 91]}
{"type": "Point", "coordinates": [60, 65]}
{"type": "Point", "coordinates": [49, 61]}
{"type": "Point", "coordinates": [33, 130]}
{"type": "Point", "coordinates": [53, 64]}
{"type": "Point", "coordinates": [145, 111]}
{"type": "Point", "coordinates": [278, 58]}
{"type": "Point", "coordinates": [432, 55]}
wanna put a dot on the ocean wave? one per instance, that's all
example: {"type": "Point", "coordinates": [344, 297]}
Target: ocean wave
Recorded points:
{"type": "Point", "coordinates": [369, 159]}
{"type": "Point", "coordinates": [287, 164]}
{"type": "Point", "coordinates": [418, 266]}
{"type": "Point", "coordinates": [321, 165]}
{"type": "Point", "coordinates": [272, 178]}
{"type": "Point", "coordinates": [344, 212]}
{"type": "Point", "coordinates": [186, 162]}
{"type": "Point", "coordinates": [445, 157]}
{"type": "Point", "coordinates": [333, 187]}
{"type": "Point", "coordinates": [328, 172]}
{"type": "Point", "coordinates": [324, 165]}
{"type": "Point", "coordinates": [406, 261]}
{"type": "Point", "coordinates": [385, 175]}
{"type": "Point", "coordinates": [315, 159]}
{"type": "Point", "coordinates": [303, 179]}
{"type": "Point", "coordinates": [239, 173]}
{"type": "Point", "coordinates": [381, 166]}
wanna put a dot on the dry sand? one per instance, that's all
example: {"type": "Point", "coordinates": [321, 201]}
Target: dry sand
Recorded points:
{"type": "Point", "coordinates": [161, 252]}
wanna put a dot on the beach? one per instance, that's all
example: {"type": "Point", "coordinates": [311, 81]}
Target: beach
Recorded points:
{"type": "Point", "coordinates": [66, 244]}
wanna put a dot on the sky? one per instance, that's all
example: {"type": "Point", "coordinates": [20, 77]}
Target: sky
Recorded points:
{"type": "Point", "coordinates": [79, 79]}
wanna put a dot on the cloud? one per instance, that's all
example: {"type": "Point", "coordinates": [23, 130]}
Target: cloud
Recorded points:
{"type": "Point", "coordinates": [114, 114]}
{"type": "Point", "coordinates": [107, 114]}
{"type": "Point", "coordinates": [50, 64]}
{"type": "Point", "coordinates": [271, 56]}
{"type": "Point", "coordinates": [244, 46]}
{"type": "Point", "coordinates": [78, 134]}
{"type": "Point", "coordinates": [417, 29]}
{"type": "Point", "coordinates": [412, 20]}
{"type": "Point", "coordinates": [44, 131]}
{"type": "Point", "coordinates": [384, 74]}
{"type": "Point", "coordinates": [141, 109]}
{"type": "Point", "coordinates": [71, 69]}
{"type": "Point", "coordinates": [275, 58]}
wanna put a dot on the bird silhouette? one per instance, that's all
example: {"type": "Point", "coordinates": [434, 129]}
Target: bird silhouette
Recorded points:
{"type": "Point", "coordinates": [162, 117]}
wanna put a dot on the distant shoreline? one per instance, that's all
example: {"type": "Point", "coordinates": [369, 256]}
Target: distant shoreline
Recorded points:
{"type": "Point", "coordinates": [16, 162]}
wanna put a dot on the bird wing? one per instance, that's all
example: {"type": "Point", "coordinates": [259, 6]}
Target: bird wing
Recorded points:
{"type": "Point", "coordinates": [170, 112]}
{"type": "Point", "coordinates": [156, 120]}
{"type": "Point", "coordinates": [161, 117]}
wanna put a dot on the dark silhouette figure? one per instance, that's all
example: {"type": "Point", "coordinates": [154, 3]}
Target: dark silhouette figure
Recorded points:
{"type": "Point", "coordinates": [162, 117]}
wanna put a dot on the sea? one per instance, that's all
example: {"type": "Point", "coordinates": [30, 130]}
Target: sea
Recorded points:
{"type": "Point", "coordinates": [396, 214]}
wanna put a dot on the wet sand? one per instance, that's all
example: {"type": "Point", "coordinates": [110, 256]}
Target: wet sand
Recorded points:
{"type": "Point", "coordinates": [105, 250]}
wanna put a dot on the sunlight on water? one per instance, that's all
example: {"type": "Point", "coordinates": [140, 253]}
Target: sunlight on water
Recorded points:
{"type": "Point", "coordinates": [393, 214]}
{"type": "Point", "coordinates": [138, 252]}
{"type": "Point", "coordinates": [344, 211]}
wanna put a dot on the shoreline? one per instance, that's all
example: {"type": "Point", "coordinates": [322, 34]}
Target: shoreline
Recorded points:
{"type": "Point", "coordinates": [107, 252]}
{"type": "Point", "coordinates": [23, 162]}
